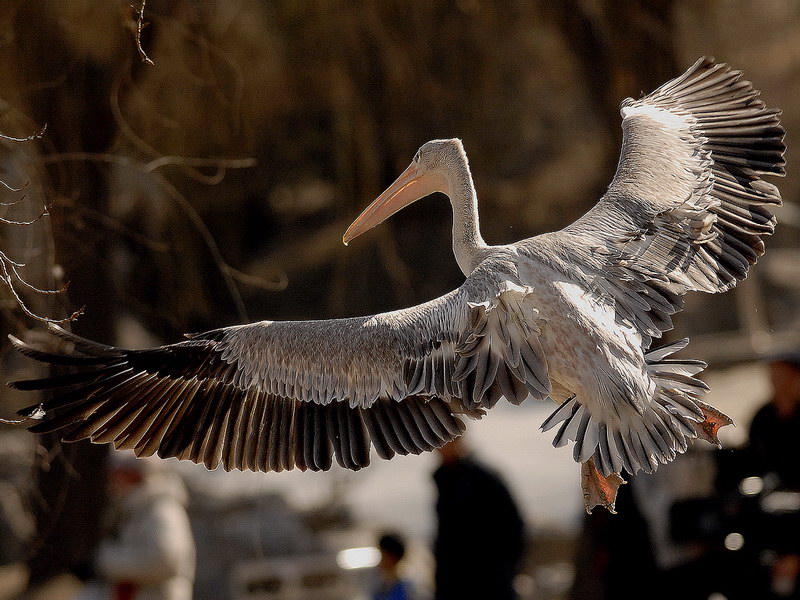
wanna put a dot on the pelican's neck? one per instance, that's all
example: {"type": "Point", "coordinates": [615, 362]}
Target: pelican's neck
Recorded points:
{"type": "Point", "coordinates": [467, 240]}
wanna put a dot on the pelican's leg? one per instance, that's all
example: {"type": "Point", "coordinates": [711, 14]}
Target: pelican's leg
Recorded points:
{"type": "Point", "coordinates": [599, 490]}
{"type": "Point", "coordinates": [707, 430]}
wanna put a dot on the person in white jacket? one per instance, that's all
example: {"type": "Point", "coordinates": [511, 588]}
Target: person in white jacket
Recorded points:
{"type": "Point", "coordinates": [151, 554]}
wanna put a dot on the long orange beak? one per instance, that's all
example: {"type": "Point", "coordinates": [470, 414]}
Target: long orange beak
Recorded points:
{"type": "Point", "coordinates": [408, 188]}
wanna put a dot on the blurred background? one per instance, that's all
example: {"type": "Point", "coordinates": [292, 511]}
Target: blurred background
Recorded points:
{"type": "Point", "coordinates": [213, 186]}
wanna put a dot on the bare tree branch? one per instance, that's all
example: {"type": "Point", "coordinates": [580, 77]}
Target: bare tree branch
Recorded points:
{"type": "Point", "coordinates": [229, 274]}
{"type": "Point", "coordinates": [5, 221]}
{"type": "Point", "coordinates": [279, 283]}
{"type": "Point", "coordinates": [115, 225]}
{"type": "Point", "coordinates": [221, 164]}
{"type": "Point", "coordinates": [9, 272]}
{"type": "Point", "coordinates": [9, 268]}
{"type": "Point", "coordinates": [13, 189]}
{"type": "Point", "coordinates": [139, 26]}
{"type": "Point", "coordinates": [188, 163]}
{"type": "Point", "coordinates": [33, 136]}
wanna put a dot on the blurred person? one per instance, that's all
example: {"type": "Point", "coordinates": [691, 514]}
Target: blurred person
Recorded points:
{"type": "Point", "coordinates": [391, 586]}
{"type": "Point", "coordinates": [614, 556]}
{"type": "Point", "coordinates": [665, 538]}
{"type": "Point", "coordinates": [775, 452]}
{"type": "Point", "coordinates": [150, 554]}
{"type": "Point", "coordinates": [480, 537]}
{"type": "Point", "coordinates": [776, 425]}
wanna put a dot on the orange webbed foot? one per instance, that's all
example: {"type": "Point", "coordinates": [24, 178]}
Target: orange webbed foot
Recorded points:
{"type": "Point", "coordinates": [714, 421]}
{"type": "Point", "coordinates": [599, 490]}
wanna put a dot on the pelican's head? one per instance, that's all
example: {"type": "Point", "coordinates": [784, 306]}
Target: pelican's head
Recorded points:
{"type": "Point", "coordinates": [432, 170]}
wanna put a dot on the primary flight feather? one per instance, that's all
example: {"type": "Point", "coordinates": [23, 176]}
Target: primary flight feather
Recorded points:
{"type": "Point", "coordinates": [569, 315]}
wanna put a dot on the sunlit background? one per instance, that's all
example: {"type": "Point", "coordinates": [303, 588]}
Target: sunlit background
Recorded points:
{"type": "Point", "coordinates": [213, 186]}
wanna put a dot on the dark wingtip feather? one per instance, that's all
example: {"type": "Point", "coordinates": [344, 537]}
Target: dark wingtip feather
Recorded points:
{"type": "Point", "coordinates": [54, 358]}
{"type": "Point", "coordinates": [82, 344]}
{"type": "Point", "coordinates": [32, 412]}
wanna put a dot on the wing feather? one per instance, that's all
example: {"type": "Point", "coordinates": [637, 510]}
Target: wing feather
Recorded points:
{"type": "Point", "coordinates": [687, 207]}
{"type": "Point", "coordinates": [282, 395]}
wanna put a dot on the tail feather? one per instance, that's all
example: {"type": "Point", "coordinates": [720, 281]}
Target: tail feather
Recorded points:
{"type": "Point", "coordinates": [641, 441]}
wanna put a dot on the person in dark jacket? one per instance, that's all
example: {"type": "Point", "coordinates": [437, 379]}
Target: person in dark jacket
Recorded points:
{"type": "Point", "coordinates": [774, 434]}
{"type": "Point", "coordinates": [776, 426]}
{"type": "Point", "coordinates": [480, 535]}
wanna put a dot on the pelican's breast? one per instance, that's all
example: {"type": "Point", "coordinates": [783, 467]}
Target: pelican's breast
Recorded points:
{"type": "Point", "coordinates": [587, 348]}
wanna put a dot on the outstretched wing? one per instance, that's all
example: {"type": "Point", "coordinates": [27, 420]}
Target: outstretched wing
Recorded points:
{"type": "Point", "coordinates": [687, 207]}
{"type": "Point", "coordinates": [685, 211]}
{"type": "Point", "coordinates": [280, 395]}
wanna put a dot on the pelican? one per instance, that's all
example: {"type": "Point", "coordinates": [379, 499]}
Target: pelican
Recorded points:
{"type": "Point", "coordinates": [569, 315]}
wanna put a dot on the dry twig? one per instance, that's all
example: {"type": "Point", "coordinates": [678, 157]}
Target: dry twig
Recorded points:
{"type": "Point", "coordinates": [11, 277]}
{"type": "Point", "coordinates": [33, 136]}
{"type": "Point", "coordinates": [139, 26]}
{"type": "Point", "coordinates": [9, 269]}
